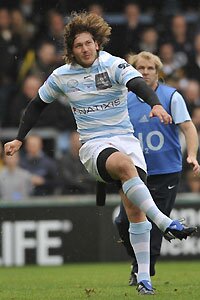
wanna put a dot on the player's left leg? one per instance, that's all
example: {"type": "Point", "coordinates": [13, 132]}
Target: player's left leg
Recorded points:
{"type": "Point", "coordinates": [139, 226]}
{"type": "Point", "coordinates": [139, 231]}
{"type": "Point", "coordinates": [122, 224]}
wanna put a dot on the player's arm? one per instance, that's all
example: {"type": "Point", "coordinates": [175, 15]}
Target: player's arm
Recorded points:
{"type": "Point", "coordinates": [141, 89]}
{"type": "Point", "coordinates": [28, 120]}
{"type": "Point", "coordinates": [192, 142]}
{"type": "Point", "coordinates": [182, 118]}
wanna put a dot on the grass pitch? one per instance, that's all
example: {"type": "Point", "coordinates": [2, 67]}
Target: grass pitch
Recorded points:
{"type": "Point", "coordinates": [103, 281]}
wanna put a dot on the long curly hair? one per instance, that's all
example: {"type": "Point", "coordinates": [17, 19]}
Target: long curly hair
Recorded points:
{"type": "Point", "coordinates": [85, 22]}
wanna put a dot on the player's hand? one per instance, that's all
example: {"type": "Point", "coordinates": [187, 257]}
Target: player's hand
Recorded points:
{"type": "Point", "coordinates": [160, 112]}
{"type": "Point", "coordinates": [195, 165]}
{"type": "Point", "coordinates": [11, 147]}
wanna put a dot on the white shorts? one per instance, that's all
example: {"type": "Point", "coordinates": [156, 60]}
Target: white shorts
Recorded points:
{"type": "Point", "coordinates": [127, 144]}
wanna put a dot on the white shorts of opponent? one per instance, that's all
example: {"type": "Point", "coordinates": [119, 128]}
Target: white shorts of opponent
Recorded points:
{"type": "Point", "coordinates": [127, 144]}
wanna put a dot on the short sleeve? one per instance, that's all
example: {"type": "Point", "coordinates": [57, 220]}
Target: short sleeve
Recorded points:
{"type": "Point", "coordinates": [124, 72]}
{"type": "Point", "coordinates": [179, 110]}
{"type": "Point", "coordinates": [50, 90]}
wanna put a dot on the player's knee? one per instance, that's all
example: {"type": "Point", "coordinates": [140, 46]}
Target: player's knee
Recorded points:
{"type": "Point", "coordinates": [125, 168]}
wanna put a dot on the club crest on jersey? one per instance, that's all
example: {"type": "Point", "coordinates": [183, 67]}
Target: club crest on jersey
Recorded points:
{"type": "Point", "coordinates": [102, 81]}
{"type": "Point", "coordinates": [72, 83]}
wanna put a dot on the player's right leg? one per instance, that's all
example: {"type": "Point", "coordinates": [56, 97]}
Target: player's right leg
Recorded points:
{"type": "Point", "coordinates": [121, 167]}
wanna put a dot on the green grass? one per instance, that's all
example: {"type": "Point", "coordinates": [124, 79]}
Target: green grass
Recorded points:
{"type": "Point", "coordinates": [174, 280]}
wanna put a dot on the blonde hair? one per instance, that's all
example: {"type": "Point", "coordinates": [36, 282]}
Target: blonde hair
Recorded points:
{"type": "Point", "coordinates": [85, 22]}
{"type": "Point", "coordinates": [133, 59]}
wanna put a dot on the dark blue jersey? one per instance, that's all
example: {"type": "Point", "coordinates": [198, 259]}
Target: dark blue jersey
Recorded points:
{"type": "Point", "coordinates": [160, 142]}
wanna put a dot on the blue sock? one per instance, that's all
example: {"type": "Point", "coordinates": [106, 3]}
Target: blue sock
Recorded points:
{"type": "Point", "coordinates": [138, 194]}
{"type": "Point", "coordinates": [140, 241]}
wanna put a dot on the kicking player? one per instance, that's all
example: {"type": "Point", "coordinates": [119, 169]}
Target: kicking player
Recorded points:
{"type": "Point", "coordinates": [95, 84]}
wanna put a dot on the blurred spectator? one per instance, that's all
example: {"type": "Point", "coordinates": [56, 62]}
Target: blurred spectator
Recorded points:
{"type": "Point", "coordinates": [27, 8]}
{"type": "Point", "coordinates": [125, 37]}
{"type": "Point", "coordinates": [54, 33]}
{"type": "Point", "coordinates": [191, 91]}
{"type": "Point", "coordinates": [173, 64]}
{"type": "Point", "coordinates": [40, 63]}
{"type": "Point", "coordinates": [10, 48]}
{"type": "Point", "coordinates": [22, 28]}
{"type": "Point", "coordinates": [31, 10]}
{"type": "Point", "coordinates": [181, 38]}
{"type": "Point", "coordinates": [149, 40]}
{"type": "Point", "coordinates": [16, 183]}
{"type": "Point", "coordinates": [20, 101]}
{"type": "Point", "coordinates": [133, 29]}
{"type": "Point", "coordinates": [38, 163]}
{"type": "Point", "coordinates": [58, 113]}
{"type": "Point", "coordinates": [10, 45]}
{"type": "Point", "coordinates": [46, 60]}
{"type": "Point", "coordinates": [96, 8]}
{"type": "Point", "coordinates": [74, 178]}
{"type": "Point", "coordinates": [193, 66]}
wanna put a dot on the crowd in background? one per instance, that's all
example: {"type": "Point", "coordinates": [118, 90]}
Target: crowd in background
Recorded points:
{"type": "Point", "coordinates": [31, 47]}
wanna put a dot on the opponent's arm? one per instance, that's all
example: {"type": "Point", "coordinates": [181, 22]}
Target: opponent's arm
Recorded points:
{"type": "Point", "coordinates": [192, 143]}
{"type": "Point", "coordinates": [29, 118]}
{"type": "Point", "coordinates": [141, 89]}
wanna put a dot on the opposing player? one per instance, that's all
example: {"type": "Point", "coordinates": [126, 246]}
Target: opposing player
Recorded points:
{"type": "Point", "coordinates": [95, 84]}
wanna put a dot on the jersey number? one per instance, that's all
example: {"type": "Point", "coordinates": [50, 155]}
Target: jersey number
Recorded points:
{"type": "Point", "coordinates": [148, 142]}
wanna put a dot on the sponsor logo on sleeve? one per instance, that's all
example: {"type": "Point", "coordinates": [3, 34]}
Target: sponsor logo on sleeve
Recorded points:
{"type": "Point", "coordinates": [123, 66]}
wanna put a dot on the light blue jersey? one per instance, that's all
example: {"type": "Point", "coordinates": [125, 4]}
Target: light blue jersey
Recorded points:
{"type": "Point", "coordinates": [97, 95]}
